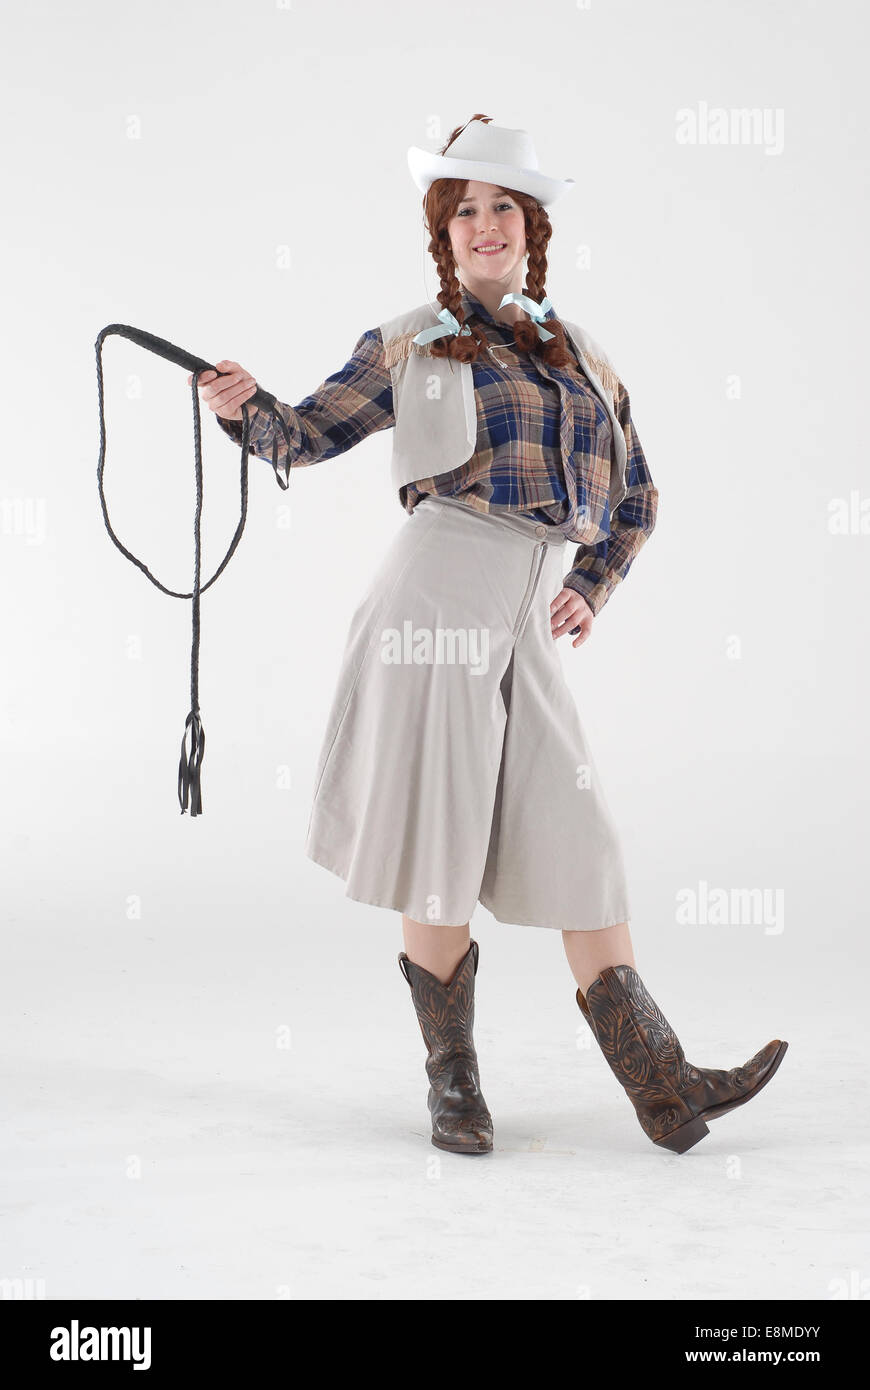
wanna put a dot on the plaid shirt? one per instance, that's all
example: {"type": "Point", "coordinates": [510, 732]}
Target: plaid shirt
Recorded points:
{"type": "Point", "coordinates": [544, 447]}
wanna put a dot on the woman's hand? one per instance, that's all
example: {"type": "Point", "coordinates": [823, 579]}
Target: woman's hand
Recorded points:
{"type": "Point", "coordinates": [568, 610]}
{"type": "Point", "coordinates": [227, 388]}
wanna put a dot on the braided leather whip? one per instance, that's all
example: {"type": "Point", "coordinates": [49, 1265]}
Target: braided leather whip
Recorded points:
{"type": "Point", "coordinates": [193, 741]}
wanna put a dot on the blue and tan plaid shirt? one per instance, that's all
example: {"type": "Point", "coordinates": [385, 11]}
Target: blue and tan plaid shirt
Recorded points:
{"type": "Point", "coordinates": [544, 446]}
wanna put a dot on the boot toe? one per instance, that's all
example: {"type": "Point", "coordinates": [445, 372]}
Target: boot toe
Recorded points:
{"type": "Point", "coordinates": [759, 1067]}
{"type": "Point", "coordinates": [742, 1083]}
{"type": "Point", "coordinates": [463, 1133]}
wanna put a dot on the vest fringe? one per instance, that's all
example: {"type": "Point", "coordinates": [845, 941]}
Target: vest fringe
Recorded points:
{"type": "Point", "coordinates": [606, 375]}
{"type": "Point", "coordinates": [400, 348]}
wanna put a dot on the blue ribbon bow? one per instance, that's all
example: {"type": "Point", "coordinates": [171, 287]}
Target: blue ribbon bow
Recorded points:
{"type": "Point", "coordinates": [537, 312]}
{"type": "Point", "coordinates": [448, 324]}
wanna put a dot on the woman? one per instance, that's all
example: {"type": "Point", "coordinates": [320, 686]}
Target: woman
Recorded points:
{"type": "Point", "coordinates": [454, 768]}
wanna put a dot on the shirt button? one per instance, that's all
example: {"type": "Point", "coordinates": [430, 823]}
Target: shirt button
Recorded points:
{"type": "Point", "coordinates": [540, 530]}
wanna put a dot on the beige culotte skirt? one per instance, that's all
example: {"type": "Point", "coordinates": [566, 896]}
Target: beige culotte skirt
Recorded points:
{"type": "Point", "coordinates": [454, 768]}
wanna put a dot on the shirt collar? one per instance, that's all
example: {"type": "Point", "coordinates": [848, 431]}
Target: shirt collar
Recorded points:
{"type": "Point", "coordinates": [471, 305]}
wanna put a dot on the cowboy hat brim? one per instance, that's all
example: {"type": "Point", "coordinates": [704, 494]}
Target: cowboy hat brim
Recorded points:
{"type": "Point", "coordinates": [426, 167]}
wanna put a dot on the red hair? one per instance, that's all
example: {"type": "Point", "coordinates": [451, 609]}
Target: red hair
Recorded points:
{"type": "Point", "coordinates": [440, 203]}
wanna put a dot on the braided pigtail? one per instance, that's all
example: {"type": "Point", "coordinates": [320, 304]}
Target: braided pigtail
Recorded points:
{"type": "Point", "coordinates": [539, 229]}
{"type": "Point", "coordinates": [462, 348]}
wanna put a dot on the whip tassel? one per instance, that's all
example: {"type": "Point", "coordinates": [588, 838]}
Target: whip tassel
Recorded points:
{"type": "Point", "coordinates": [189, 784]}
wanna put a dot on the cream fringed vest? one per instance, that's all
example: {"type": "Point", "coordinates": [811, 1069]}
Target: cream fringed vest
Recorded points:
{"type": "Point", "coordinates": [434, 406]}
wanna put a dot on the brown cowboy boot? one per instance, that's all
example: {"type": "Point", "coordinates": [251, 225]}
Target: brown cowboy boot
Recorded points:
{"type": "Point", "coordinates": [461, 1122]}
{"type": "Point", "coordinates": [672, 1098]}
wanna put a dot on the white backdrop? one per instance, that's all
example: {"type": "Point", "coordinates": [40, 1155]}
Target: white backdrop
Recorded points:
{"type": "Point", "coordinates": [232, 177]}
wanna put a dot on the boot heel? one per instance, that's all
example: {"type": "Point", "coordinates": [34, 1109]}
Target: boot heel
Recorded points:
{"type": "Point", "coordinates": [679, 1140]}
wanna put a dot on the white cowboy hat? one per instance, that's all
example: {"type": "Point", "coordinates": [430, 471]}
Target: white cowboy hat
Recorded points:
{"type": "Point", "coordinates": [491, 154]}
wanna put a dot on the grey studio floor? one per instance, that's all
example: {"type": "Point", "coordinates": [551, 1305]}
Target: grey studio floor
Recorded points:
{"type": "Point", "coordinates": [235, 1109]}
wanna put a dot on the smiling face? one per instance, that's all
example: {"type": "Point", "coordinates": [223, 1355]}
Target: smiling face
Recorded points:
{"type": "Point", "coordinates": [488, 237]}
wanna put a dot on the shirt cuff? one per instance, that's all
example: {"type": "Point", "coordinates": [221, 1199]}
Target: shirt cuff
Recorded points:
{"type": "Point", "coordinates": [260, 421]}
{"type": "Point", "coordinates": [231, 427]}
